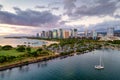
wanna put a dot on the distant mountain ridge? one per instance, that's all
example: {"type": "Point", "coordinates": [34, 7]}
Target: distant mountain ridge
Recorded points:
{"type": "Point", "coordinates": [97, 28]}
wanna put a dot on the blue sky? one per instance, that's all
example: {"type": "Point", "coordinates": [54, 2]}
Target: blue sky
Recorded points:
{"type": "Point", "coordinates": [31, 16]}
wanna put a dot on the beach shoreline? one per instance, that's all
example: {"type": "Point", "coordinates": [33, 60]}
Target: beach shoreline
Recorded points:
{"type": "Point", "coordinates": [49, 42]}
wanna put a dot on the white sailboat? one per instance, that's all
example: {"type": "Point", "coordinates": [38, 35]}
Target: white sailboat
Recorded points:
{"type": "Point", "coordinates": [100, 66]}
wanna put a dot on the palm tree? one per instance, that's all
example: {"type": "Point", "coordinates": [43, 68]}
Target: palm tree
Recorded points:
{"type": "Point", "coordinates": [44, 46]}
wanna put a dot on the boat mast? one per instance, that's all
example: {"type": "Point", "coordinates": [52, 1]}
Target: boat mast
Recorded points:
{"type": "Point", "coordinates": [100, 60]}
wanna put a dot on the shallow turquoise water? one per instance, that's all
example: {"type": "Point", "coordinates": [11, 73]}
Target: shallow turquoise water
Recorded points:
{"type": "Point", "coordinates": [23, 41]}
{"type": "Point", "coordinates": [78, 67]}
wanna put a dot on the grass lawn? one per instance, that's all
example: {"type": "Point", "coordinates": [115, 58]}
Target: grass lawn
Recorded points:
{"type": "Point", "coordinates": [12, 52]}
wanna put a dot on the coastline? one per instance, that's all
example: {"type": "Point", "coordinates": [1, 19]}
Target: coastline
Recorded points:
{"type": "Point", "coordinates": [26, 62]}
{"type": "Point", "coordinates": [45, 42]}
{"type": "Point", "coordinates": [113, 48]}
{"type": "Point", "coordinates": [49, 42]}
{"type": "Point", "coordinates": [29, 60]}
{"type": "Point", "coordinates": [32, 60]}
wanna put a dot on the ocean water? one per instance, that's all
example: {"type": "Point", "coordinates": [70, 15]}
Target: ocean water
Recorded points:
{"type": "Point", "coordinates": [78, 67]}
{"type": "Point", "coordinates": [22, 41]}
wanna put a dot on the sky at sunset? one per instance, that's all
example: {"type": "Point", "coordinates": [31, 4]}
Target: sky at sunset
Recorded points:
{"type": "Point", "coordinates": [28, 17]}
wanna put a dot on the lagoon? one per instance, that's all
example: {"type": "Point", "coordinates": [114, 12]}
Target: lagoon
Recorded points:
{"type": "Point", "coordinates": [21, 41]}
{"type": "Point", "coordinates": [78, 67]}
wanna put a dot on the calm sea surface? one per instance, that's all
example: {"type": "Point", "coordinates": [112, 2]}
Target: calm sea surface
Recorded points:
{"type": "Point", "coordinates": [23, 41]}
{"type": "Point", "coordinates": [78, 67]}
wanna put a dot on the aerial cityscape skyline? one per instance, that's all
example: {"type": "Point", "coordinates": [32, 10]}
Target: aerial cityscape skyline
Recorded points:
{"type": "Point", "coordinates": [35, 16]}
{"type": "Point", "coordinates": [59, 39]}
{"type": "Point", "coordinates": [63, 33]}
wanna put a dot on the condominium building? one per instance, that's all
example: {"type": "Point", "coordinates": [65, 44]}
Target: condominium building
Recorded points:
{"type": "Point", "coordinates": [55, 34]}
{"type": "Point", "coordinates": [110, 32]}
{"type": "Point", "coordinates": [66, 33]}
{"type": "Point", "coordinates": [94, 34]}
{"type": "Point", "coordinates": [60, 33]}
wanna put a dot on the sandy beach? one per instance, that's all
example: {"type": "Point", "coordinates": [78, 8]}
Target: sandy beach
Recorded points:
{"type": "Point", "coordinates": [49, 42]}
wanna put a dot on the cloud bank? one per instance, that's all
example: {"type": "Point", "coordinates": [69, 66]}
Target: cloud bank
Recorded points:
{"type": "Point", "coordinates": [28, 17]}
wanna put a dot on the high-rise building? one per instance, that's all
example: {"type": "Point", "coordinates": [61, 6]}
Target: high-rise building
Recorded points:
{"type": "Point", "coordinates": [94, 34]}
{"type": "Point", "coordinates": [110, 32]}
{"type": "Point", "coordinates": [71, 33]}
{"type": "Point", "coordinates": [43, 34]}
{"type": "Point", "coordinates": [66, 33]}
{"type": "Point", "coordinates": [50, 34]}
{"type": "Point", "coordinates": [55, 34]}
{"type": "Point", "coordinates": [37, 35]}
{"type": "Point", "coordinates": [86, 33]}
{"type": "Point", "coordinates": [60, 33]}
{"type": "Point", "coordinates": [47, 34]}
{"type": "Point", "coordinates": [75, 33]}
